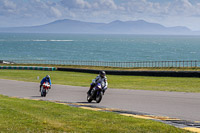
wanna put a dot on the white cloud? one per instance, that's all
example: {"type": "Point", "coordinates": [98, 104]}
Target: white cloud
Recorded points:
{"type": "Point", "coordinates": [56, 12]}
{"type": "Point", "coordinates": [179, 12]}
{"type": "Point", "coordinates": [9, 4]}
{"type": "Point", "coordinates": [108, 4]}
{"type": "Point", "coordinates": [76, 4]}
{"type": "Point", "coordinates": [7, 8]}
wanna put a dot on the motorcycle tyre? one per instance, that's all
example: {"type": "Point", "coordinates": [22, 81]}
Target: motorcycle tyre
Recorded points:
{"type": "Point", "coordinates": [98, 98]}
{"type": "Point", "coordinates": [89, 99]}
{"type": "Point", "coordinates": [43, 93]}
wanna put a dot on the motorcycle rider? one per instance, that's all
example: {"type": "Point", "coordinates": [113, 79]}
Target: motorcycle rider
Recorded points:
{"type": "Point", "coordinates": [45, 79]}
{"type": "Point", "coordinates": [101, 78]}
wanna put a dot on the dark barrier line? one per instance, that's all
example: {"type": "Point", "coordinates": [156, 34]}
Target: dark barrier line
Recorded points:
{"type": "Point", "coordinates": [139, 73]}
{"type": "Point", "coordinates": [79, 70]}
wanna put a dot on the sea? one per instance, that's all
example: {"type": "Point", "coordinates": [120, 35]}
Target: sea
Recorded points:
{"type": "Point", "coordinates": [98, 47]}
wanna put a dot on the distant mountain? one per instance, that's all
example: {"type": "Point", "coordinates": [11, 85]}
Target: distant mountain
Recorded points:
{"type": "Point", "coordinates": [142, 27]}
{"type": "Point", "coordinates": [115, 27]}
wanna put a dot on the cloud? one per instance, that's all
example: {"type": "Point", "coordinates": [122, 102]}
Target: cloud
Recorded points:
{"type": "Point", "coordinates": [7, 7]}
{"type": "Point", "coordinates": [75, 4]}
{"type": "Point", "coordinates": [9, 4]}
{"type": "Point", "coordinates": [107, 4]}
{"type": "Point", "coordinates": [56, 12]}
{"type": "Point", "coordinates": [43, 11]}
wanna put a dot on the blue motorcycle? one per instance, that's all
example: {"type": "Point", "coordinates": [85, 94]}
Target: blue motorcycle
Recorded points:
{"type": "Point", "coordinates": [96, 94]}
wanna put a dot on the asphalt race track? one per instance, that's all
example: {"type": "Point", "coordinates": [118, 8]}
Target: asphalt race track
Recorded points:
{"type": "Point", "coordinates": [185, 106]}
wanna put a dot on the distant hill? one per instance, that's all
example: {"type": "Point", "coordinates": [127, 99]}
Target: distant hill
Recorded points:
{"type": "Point", "coordinates": [115, 27]}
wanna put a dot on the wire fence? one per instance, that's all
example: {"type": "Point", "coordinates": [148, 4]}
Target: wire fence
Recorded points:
{"type": "Point", "coordinates": [140, 64]}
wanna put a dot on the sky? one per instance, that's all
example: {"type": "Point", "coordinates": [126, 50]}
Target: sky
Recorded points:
{"type": "Point", "coordinates": [14, 13]}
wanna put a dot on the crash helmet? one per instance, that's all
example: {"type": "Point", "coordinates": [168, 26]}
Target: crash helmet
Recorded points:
{"type": "Point", "coordinates": [102, 74]}
{"type": "Point", "coordinates": [47, 77]}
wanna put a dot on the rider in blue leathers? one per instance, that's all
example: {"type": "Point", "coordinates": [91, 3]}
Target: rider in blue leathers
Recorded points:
{"type": "Point", "coordinates": [45, 79]}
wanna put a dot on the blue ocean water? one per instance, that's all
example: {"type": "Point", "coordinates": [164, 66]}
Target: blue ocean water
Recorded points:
{"type": "Point", "coordinates": [120, 48]}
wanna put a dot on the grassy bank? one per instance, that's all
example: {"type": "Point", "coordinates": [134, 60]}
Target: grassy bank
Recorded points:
{"type": "Point", "coordinates": [17, 115]}
{"type": "Point", "coordinates": [115, 81]}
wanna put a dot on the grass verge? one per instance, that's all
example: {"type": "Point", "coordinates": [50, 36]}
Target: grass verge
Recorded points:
{"type": "Point", "coordinates": [19, 115]}
{"type": "Point", "coordinates": [177, 84]}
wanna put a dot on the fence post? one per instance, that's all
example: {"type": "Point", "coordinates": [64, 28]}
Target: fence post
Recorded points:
{"type": "Point", "coordinates": [195, 63]}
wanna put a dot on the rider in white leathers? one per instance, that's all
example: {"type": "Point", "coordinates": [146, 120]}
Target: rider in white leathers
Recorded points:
{"type": "Point", "coordinates": [101, 78]}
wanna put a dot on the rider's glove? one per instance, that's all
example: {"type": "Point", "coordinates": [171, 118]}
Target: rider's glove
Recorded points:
{"type": "Point", "coordinates": [104, 88]}
{"type": "Point", "coordinates": [103, 91]}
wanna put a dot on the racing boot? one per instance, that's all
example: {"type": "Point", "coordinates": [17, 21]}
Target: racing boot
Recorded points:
{"type": "Point", "coordinates": [40, 88]}
{"type": "Point", "coordinates": [103, 91]}
{"type": "Point", "coordinates": [89, 91]}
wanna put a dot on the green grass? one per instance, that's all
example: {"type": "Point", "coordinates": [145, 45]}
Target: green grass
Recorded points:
{"type": "Point", "coordinates": [17, 115]}
{"type": "Point", "coordinates": [115, 81]}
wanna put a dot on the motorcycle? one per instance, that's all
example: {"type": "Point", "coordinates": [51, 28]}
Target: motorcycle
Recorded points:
{"type": "Point", "coordinates": [96, 94]}
{"type": "Point", "coordinates": [45, 89]}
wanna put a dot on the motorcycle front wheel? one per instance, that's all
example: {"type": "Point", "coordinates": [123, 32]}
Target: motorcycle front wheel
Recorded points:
{"type": "Point", "coordinates": [43, 93]}
{"type": "Point", "coordinates": [89, 98]}
{"type": "Point", "coordinates": [99, 97]}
